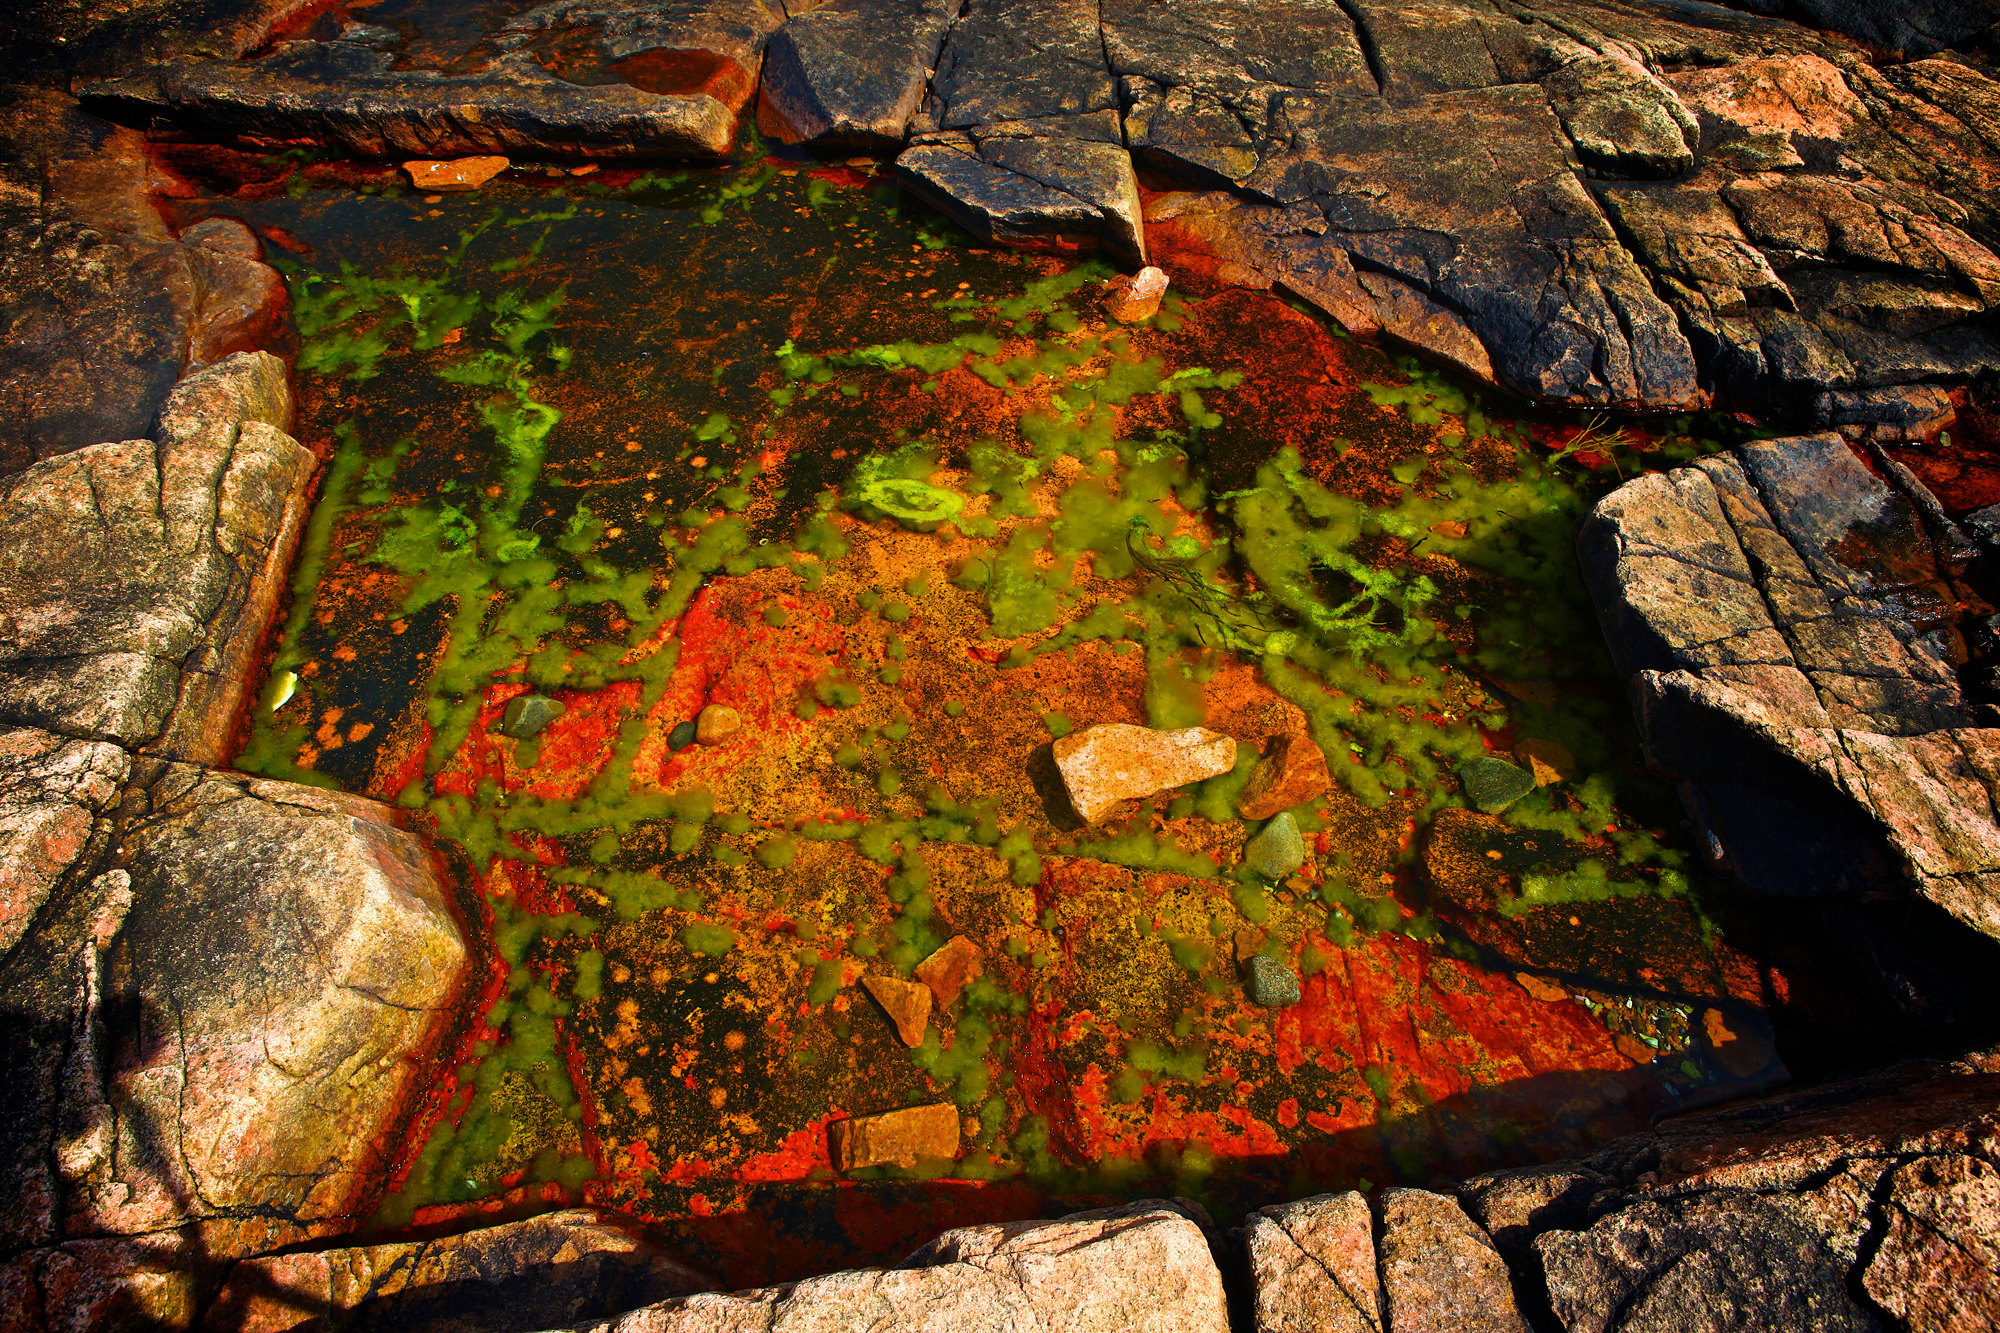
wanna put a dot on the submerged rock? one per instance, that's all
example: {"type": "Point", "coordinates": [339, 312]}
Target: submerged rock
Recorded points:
{"type": "Point", "coordinates": [1269, 984]}
{"type": "Point", "coordinates": [1277, 850]}
{"type": "Point", "coordinates": [907, 1003]}
{"type": "Point", "coordinates": [894, 1138]}
{"type": "Point", "coordinates": [1137, 298]}
{"type": "Point", "coordinates": [456, 176]}
{"type": "Point", "coordinates": [1113, 762]}
{"type": "Point", "coordinates": [540, 1273]}
{"type": "Point", "coordinates": [1494, 784]}
{"type": "Point", "coordinates": [1292, 772]}
{"type": "Point", "coordinates": [526, 715]}
{"type": "Point", "coordinates": [717, 723]}
{"type": "Point", "coordinates": [1548, 761]}
{"type": "Point", "coordinates": [951, 969]}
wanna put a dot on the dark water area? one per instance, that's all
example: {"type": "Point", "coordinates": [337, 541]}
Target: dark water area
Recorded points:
{"type": "Point", "coordinates": [776, 438]}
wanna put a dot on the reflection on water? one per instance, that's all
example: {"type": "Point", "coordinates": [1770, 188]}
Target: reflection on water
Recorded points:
{"type": "Point", "coordinates": [775, 439]}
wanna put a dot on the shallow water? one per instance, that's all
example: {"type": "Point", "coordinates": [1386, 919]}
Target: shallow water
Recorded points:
{"type": "Point", "coordinates": [775, 437]}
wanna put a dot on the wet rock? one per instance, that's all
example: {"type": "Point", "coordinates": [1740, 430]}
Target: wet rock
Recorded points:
{"type": "Point", "coordinates": [1292, 772]}
{"type": "Point", "coordinates": [54, 796]}
{"type": "Point", "coordinates": [1113, 762]}
{"type": "Point", "coordinates": [1494, 784]}
{"type": "Point", "coordinates": [951, 969]}
{"type": "Point", "coordinates": [350, 97]}
{"type": "Point", "coordinates": [1779, 616]}
{"type": "Point", "coordinates": [1457, 861]}
{"type": "Point", "coordinates": [1663, 1264]}
{"type": "Point", "coordinates": [1440, 1272]}
{"type": "Point", "coordinates": [142, 574]}
{"type": "Point", "coordinates": [1277, 850]}
{"type": "Point", "coordinates": [287, 961]}
{"type": "Point", "coordinates": [544, 1272]}
{"type": "Point", "coordinates": [894, 1138]}
{"type": "Point", "coordinates": [1549, 992]}
{"type": "Point", "coordinates": [717, 723]}
{"type": "Point", "coordinates": [1269, 984]}
{"type": "Point", "coordinates": [104, 309]}
{"type": "Point", "coordinates": [1312, 1266]}
{"type": "Point", "coordinates": [1138, 298]}
{"type": "Point", "coordinates": [1737, 1048]}
{"type": "Point", "coordinates": [1145, 1265]}
{"type": "Point", "coordinates": [907, 1004]}
{"type": "Point", "coordinates": [1549, 762]}
{"type": "Point", "coordinates": [683, 735]}
{"type": "Point", "coordinates": [454, 177]}
{"type": "Point", "coordinates": [852, 74]}
{"type": "Point", "coordinates": [527, 714]}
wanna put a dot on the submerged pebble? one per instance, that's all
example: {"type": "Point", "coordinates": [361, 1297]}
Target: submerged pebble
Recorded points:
{"type": "Point", "coordinates": [717, 722]}
{"type": "Point", "coordinates": [1494, 784]}
{"type": "Point", "coordinates": [682, 736]}
{"type": "Point", "coordinates": [1270, 984]}
{"type": "Point", "coordinates": [526, 715]}
{"type": "Point", "coordinates": [1278, 850]}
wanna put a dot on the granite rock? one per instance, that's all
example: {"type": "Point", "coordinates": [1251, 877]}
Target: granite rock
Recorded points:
{"type": "Point", "coordinates": [143, 573]}
{"type": "Point", "coordinates": [1277, 850]}
{"type": "Point", "coordinates": [543, 1272]}
{"type": "Point", "coordinates": [894, 1138]}
{"type": "Point", "coordinates": [1312, 1266]}
{"type": "Point", "coordinates": [1143, 1266]}
{"type": "Point", "coordinates": [1440, 1272]}
{"type": "Point", "coordinates": [907, 1003]}
{"type": "Point", "coordinates": [852, 74]}
{"type": "Point", "coordinates": [950, 969]}
{"type": "Point", "coordinates": [1269, 984]}
{"type": "Point", "coordinates": [56, 795]}
{"type": "Point", "coordinates": [1291, 772]}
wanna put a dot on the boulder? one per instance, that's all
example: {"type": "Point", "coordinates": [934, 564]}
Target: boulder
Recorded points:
{"type": "Point", "coordinates": [1312, 1266]}
{"type": "Point", "coordinates": [1108, 764]}
{"type": "Point", "coordinates": [1440, 1272]}
{"type": "Point", "coordinates": [1143, 1266]}
{"type": "Point", "coordinates": [285, 961]}
{"type": "Point", "coordinates": [143, 574]}
{"type": "Point", "coordinates": [544, 1272]}
{"type": "Point", "coordinates": [1785, 625]}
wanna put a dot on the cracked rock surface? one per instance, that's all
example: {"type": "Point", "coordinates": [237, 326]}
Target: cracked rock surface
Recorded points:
{"type": "Point", "coordinates": [1784, 619]}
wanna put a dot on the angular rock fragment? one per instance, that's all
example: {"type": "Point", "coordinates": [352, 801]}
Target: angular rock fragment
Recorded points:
{"type": "Point", "coordinates": [1023, 187]}
{"type": "Point", "coordinates": [456, 176]}
{"type": "Point", "coordinates": [543, 1272]}
{"type": "Point", "coordinates": [1138, 298]}
{"type": "Point", "coordinates": [1312, 1266]}
{"type": "Point", "coordinates": [951, 969]}
{"type": "Point", "coordinates": [1547, 760]}
{"type": "Point", "coordinates": [1292, 771]}
{"type": "Point", "coordinates": [287, 962]}
{"type": "Point", "coordinates": [852, 74]}
{"type": "Point", "coordinates": [1269, 984]}
{"type": "Point", "coordinates": [907, 1004]}
{"type": "Point", "coordinates": [143, 574]}
{"type": "Point", "coordinates": [1113, 762]}
{"type": "Point", "coordinates": [1621, 118]}
{"type": "Point", "coordinates": [894, 1138]}
{"type": "Point", "coordinates": [1494, 784]}
{"type": "Point", "coordinates": [526, 715]}
{"type": "Point", "coordinates": [1440, 1272]}
{"type": "Point", "coordinates": [1143, 1266]}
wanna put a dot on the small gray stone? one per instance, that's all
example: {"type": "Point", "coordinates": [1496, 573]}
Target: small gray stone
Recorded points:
{"type": "Point", "coordinates": [527, 714]}
{"type": "Point", "coordinates": [1494, 784]}
{"type": "Point", "coordinates": [1278, 850]}
{"type": "Point", "coordinates": [683, 736]}
{"type": "Point", "coordinates": [1270, 984]}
